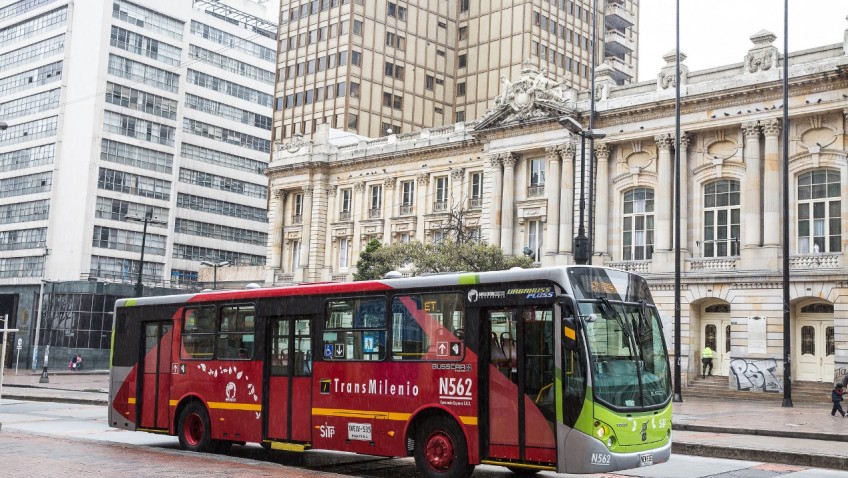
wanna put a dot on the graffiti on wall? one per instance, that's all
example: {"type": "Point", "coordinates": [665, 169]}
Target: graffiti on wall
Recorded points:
{"type": "Point", "coordinates": [840, 375]}
{"type": "Point", "coordinates": [755, 374]}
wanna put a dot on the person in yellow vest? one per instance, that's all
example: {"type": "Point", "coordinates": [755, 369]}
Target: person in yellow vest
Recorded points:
{"type": "Point", "coordinates": [707, 360]}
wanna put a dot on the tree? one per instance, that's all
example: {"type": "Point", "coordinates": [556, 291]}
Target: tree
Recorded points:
{"type": "Point", "coordinates": [447, 256]}
{"type": "Point", "coordinates": [368, 264]}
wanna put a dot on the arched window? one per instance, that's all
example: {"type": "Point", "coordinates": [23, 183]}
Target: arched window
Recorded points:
{"type": "Point", "coordinates": [819, 212]}
{"type": "Point", "coordinates": [638, 227]}
{"type": "Point", "coordinates": [721, 218]}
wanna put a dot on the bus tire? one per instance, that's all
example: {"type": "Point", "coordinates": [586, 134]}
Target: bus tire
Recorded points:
{"type": "Point", "coordinates": [195, 431]}
{"type": "Point", "coordinates": [440, 449]}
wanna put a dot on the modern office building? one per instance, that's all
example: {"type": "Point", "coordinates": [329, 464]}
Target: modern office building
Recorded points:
{"type": "Point", "coordinates": [136, 129]}
{"type": "Point", "coordinates": [512, 171]}
{"type": "Point", "coordinates": [369, 66]}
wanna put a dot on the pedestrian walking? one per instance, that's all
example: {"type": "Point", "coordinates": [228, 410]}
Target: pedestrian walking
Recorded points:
{"type": "Point", "coordinates": [836, 396]}
{"type": "Point", "coordinates": [707, 360]}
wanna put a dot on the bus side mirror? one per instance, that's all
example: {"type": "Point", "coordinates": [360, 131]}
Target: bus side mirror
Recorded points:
{"type": "Point", "coordinates": [569, 333]}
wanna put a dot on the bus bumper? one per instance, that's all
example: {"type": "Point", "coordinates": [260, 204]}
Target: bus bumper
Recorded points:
{"type": "Point", "coordinates": [581, 453]}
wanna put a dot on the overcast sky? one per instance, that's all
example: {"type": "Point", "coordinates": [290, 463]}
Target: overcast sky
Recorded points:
{"type": "Point", "coordinates": [717, 32]}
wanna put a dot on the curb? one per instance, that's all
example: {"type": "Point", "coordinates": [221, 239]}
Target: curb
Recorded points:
{"type": "Point", "coordinates": [769, 456]}
{"type": "Point", "coordinates": [78, 401]}
{"type": "Point", "coordinates": [762, 433]}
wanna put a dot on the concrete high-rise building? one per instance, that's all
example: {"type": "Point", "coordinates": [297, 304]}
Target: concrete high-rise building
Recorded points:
{"type": "Point", "coordinates": [121, 111]}
{"type": "Point", "coordinates": [377, 65]}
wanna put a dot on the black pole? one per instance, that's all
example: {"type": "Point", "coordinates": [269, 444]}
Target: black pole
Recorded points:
{"type": "Point", "coordinates": [591, 238]}
{"type": "Point", "coordinates": [215, 277]}
{"type": "Point", "coordinates": [787, 358]}
{"type": "Point", "coordinates": [677, 172]}
{"type": "Point", "coordinates": [139, 287]}
{"type": "Point", "coordinates": [581, 246]}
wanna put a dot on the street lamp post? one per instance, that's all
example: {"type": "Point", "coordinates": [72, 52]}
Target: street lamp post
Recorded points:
{"type": "Point", "coordinates": [215, 266]}
{"type": "Point", "coordinates": [582, 244]}
{"type": "Point", "coordinates": [147, 219]}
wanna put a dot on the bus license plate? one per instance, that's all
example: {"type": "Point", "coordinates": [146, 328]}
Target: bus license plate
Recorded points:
{"type": "Point", "coordinates": [646, 459]}
{"type": "Point", "coordinates": [359, 431]}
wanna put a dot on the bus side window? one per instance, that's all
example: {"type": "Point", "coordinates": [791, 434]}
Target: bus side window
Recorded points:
{"type": "Point", "coordinates": [198, 333]}
{"type": "Point", "coordinates": [236, 332]}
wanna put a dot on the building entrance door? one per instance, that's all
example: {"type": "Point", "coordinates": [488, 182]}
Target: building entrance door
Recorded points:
{"type": "Point", "coordinates": [814, 348]}
{"type": "Point", "coordinates": [715, 333]}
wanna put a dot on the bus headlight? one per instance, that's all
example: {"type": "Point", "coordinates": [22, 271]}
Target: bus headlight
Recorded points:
{"type": "Point", "coordinates": [605, 434]}
{"type": "Point", "coordinates": [601, 431]}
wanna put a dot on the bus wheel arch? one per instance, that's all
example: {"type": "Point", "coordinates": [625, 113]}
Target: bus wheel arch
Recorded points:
{"type": "Point", "coordinates": [441, 446]}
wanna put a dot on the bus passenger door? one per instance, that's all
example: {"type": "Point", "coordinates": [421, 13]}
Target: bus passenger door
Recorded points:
{"type": "Point", "coordinates": [521, 413]}
{"type": "Point", "coordinates": [289, 403]}
{"type": "Point", "coordinates": [155, 376]}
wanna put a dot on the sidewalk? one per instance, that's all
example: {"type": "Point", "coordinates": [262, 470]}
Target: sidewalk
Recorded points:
{"type": "Point", "coordinates": [85, 387]}
{"type": "Point", "coordinates": [764, 431]}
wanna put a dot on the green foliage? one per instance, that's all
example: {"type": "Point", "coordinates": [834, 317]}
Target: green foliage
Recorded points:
{"type": "Point", "coordinates": [417, 258]}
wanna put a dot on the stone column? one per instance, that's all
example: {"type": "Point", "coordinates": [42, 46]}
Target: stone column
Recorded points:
{"type": "Point", "coordinates": [389, 205]}
{"type": "Point", "coordinates": [318, 229]}
{"type": "Point", "coordinates": [507, 213]}
{"type": "Point", "coordinates": [329, 241]}
{"type": "Point", "coordinates": [306, 242]}
{"type": "Point", "coordinates": [602, 213]}
{"type": "Point", "coordinates": [663, 203]}
{"type": "Point", "coordinates": [751, 187]}
{"type": "Point", "coordinates": [566, 192]}
{"type": "Point", "coordinates": [552, 191]}
{"type": "Point", "coordinates": [277, 213]}
{"type": "Point", "coordinates": [358, 214]}
{"type": "Point", "coordinates": [497, 198]}
{"type": "Point", "coordinates": [771, 183]}
{"type": "Point", "coordinates": [457, 178]}
{"type": "Point", "coordinates": [421, 205]}
{"type": "Point", "coordinates": [684, 191]}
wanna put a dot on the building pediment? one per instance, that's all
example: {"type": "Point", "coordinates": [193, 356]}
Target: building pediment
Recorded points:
{"type": "Point", "coordinates": [531, 97]}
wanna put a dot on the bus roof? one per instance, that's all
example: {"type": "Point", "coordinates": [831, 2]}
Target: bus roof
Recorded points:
{"type": "Point", "coordinates": [555, 274]}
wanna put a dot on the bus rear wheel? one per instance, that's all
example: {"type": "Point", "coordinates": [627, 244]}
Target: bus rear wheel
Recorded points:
{"type": "Point", "coordinates": [440, 449]}
{"type": "Point", "coordinates": [194, 429]}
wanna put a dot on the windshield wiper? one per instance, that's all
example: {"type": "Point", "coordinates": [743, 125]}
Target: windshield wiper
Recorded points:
{"type": "Point", "coordinates": [625, 329]}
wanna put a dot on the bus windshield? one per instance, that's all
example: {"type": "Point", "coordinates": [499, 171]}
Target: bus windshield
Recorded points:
{"type": "Point", "coordinates": [629, 362]}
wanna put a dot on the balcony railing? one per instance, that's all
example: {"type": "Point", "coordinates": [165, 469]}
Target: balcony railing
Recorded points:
{"type": "Point", "coordinates": [440, 206]}
{"type": "Point", "coordinates": [633, 266]}
{"type": "Point", "coordinates": [535, 190]}
{"type": "Point", "coordinates": [297, 219]}
{"type": "Point", "coordinates": [815, 261]}
{"type": "Point", "coordinates": [406, 210]}
{"type": "Point", "coordinates": [375, 213]}
{"type": "Point", "coordinates": [617, 43]}
{"type": "Point", "coordinates": [713, 264]}
{"type": "Point", "coordinates": [344, 216]}
{"type": "Point", "coordinates": [475, 203]}
{"type": "Point", "coordinates": [617, 16]}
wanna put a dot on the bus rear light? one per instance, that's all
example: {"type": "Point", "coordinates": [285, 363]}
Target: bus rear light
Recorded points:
{"type": "Point", "coordinates": [391, 433]}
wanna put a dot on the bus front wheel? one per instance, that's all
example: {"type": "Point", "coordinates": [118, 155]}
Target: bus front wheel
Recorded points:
{"type": "Point", "coordinates": [194, 429]}
{"type": "Point", "coordinates": [440, 449]}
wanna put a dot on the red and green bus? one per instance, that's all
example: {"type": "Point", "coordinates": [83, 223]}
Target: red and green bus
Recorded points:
{"type": "Point", "coordinates": [561, 368]}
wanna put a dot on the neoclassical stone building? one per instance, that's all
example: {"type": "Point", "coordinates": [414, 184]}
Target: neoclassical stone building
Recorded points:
{"type": "Point", "coordinates": [515, 174]}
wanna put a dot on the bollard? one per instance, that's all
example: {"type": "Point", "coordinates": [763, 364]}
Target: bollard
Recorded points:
{"type": "Point", "coordinates": [44, 378]}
